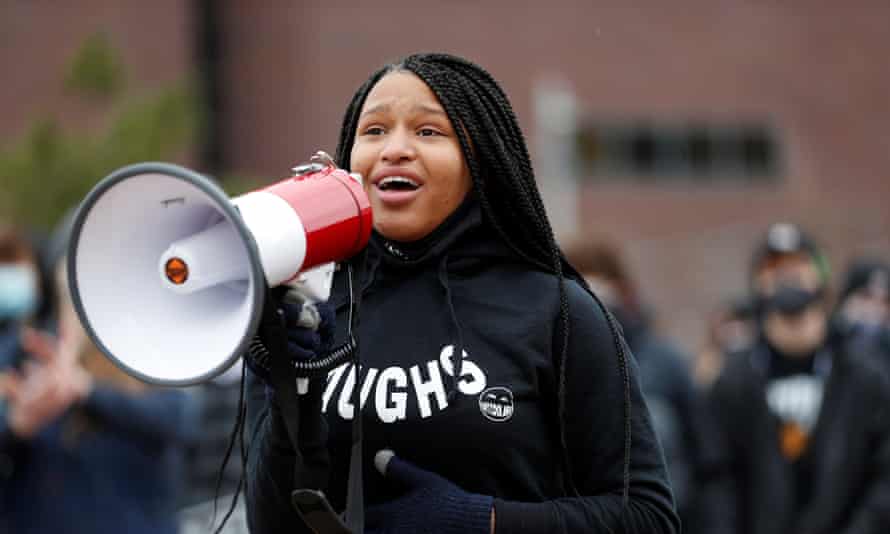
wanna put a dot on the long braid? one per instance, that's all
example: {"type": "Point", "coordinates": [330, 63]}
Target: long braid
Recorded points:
{"type": "Point", "coordinates": [530, 196]}
{"type": "Point", "coordinates": [510, 160]}
{"type": "Point", "coordinates": [501, 103]}
{"type": "Point", "coordinates": [527, 199]}
{"type": "Point", "coordinates": [497, 156]}
{"type": "Point", "coordinates": [497, 164]}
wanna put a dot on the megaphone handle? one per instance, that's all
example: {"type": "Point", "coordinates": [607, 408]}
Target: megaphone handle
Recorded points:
{"type": "Point", "coordinates": [309, 318]}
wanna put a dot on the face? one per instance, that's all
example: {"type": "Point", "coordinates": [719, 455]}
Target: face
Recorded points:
{"type": "Point", "coordinates": [793, 333]}
{"type": "Point", "coordinates": [408, 153]}
{"type": "Point", "coordinates": [734, 333]}
{"type": "Point", "coordinates": [870, 305]}
{"type": "Point", "coordinates": [799, 334]}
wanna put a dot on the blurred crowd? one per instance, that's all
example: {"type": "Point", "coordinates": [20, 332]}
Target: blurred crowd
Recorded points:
{"type": "Point", "coordinates": [779, 423]}
{"type": "Point", "coordinates": [85, 447]}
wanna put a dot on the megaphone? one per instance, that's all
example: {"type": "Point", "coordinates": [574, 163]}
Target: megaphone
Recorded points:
{"type": "Point", "coordinates": [168, 274]}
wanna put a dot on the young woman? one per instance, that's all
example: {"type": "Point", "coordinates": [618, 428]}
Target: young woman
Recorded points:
{"type": "Point", "coordinates": [498, 381]}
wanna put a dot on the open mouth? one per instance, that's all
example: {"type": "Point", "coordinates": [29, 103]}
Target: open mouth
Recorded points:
{"type": "Point", "coordinates": [397, 183]}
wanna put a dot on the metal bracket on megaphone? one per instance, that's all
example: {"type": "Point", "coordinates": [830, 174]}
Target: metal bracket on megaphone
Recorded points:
{"type": "Point", "coordinates": [310, 287]}
{"type": "Point", "coordinates": [313, 285]}
{"type": "Point", "coordinates": [320, 161]}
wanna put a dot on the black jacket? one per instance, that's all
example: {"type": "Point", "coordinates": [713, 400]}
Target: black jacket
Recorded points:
{"type": "Point", "coordinates": [696, 459]}
{"type": "Point", "coordinates": [497, 433]}
{"type": "Point", "coordinates": [848, 454]}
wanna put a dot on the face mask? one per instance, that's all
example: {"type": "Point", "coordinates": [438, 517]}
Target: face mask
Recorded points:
{"type": "Point", "coordinates": [868, 331]}
{"type": "Point", "coordinates": [18, 291]}
{"type": "Point", "coordinates": [791, 300]}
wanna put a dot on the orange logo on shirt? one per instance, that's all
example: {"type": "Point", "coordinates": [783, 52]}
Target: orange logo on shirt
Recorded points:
{"type": "Point", "coordinates": [793, 440]}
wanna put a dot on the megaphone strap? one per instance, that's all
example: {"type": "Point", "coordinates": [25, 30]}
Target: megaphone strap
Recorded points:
{"type": "Point", "coordinates": [318, 514]}
{"type": "Point", "coordinates": [355, 496]}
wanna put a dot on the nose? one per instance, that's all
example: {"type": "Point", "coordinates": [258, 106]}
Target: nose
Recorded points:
{"type": "Point", "coordinates": [399, 147]}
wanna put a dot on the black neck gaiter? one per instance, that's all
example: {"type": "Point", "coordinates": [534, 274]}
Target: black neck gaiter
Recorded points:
{"type": "Point", "coordinates": [464, 217]}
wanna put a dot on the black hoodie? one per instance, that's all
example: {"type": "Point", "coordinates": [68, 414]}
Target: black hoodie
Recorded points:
{"type": "Point", "coordinates": [494, 431]}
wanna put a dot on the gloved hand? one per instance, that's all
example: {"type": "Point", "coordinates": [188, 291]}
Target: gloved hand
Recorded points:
{"type": "Point", "coordinates": [282, 335]}
{"type": "Point", "coordinates": [429, 503]}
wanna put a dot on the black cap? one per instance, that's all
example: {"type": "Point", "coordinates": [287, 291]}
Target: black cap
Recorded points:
{"type": "Point", "coordinates": [788, 238]}
{"type": "Point", "coordinates": [863, 273]}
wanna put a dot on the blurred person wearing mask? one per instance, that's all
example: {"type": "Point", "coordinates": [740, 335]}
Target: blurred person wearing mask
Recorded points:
{"type": "Point", "coordinates": [863, 310]}
{"type": "Point", "coordinates": [22, 298]}
{"type": "Point", "coordinates": [696, 465]}
{"type": "Point", "coordinates": [20, 293]}
{"type": "Point", "coordinates": [88, 448]}
{"type": "Point", "coordinates": [808, 425]}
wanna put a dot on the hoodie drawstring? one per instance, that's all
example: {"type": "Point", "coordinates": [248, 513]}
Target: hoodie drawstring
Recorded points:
{"type": "Point", "coordinates": [457, 357]}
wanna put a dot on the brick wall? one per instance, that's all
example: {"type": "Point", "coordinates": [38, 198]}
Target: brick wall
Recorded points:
{"type": "Point", "coordinates": [38, 40]}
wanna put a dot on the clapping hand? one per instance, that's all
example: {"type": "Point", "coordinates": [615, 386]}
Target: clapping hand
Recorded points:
{"type": "Point", "coordinates": [50, 382]}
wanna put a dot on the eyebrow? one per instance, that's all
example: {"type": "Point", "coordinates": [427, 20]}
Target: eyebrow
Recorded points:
{"type": "Point", "coordinates": [383, 108]}
{"type": "Point", "coordinates": [379, 108]}
{"type": "Point", "coordinates": [429, 109]}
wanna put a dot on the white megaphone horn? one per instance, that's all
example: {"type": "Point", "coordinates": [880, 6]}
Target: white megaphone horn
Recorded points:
{"type": "Point", "coordinates": [168, 274]}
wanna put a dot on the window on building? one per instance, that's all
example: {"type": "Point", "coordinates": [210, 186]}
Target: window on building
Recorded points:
{"type": "Point", "coordinates": [658, 153]}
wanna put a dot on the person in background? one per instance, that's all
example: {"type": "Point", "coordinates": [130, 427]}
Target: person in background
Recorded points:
{"type": "Point", "coordinates": [217, 407]}
{"type": "Point", "coordinates": [88, 449]}
{"type": "Point", "coordinates": [863, 309]}
{"type": "Point", "coordinates": [731, 329]}
{"type": "Point", "coordinates": [212, 481]}
{"type": "Point", "coordinates": [694, 462]}
{"type": "Point", "coordinates": [22, 294]}
{"type": "Point", "coordinates": [807, 423]}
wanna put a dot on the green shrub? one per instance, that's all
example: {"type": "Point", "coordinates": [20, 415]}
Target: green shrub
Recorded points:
{"type": "Point", "coordinates": [49, 170]}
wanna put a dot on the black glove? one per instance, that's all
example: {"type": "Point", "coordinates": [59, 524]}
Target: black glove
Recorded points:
{"type": "Point", "coordinates": [282, 336]}
{"type": "Point", "coordinates": [428, 503]}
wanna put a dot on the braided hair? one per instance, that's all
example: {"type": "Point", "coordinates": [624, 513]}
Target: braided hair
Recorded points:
{"type": "Point", "coordinates": [504, 183]}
